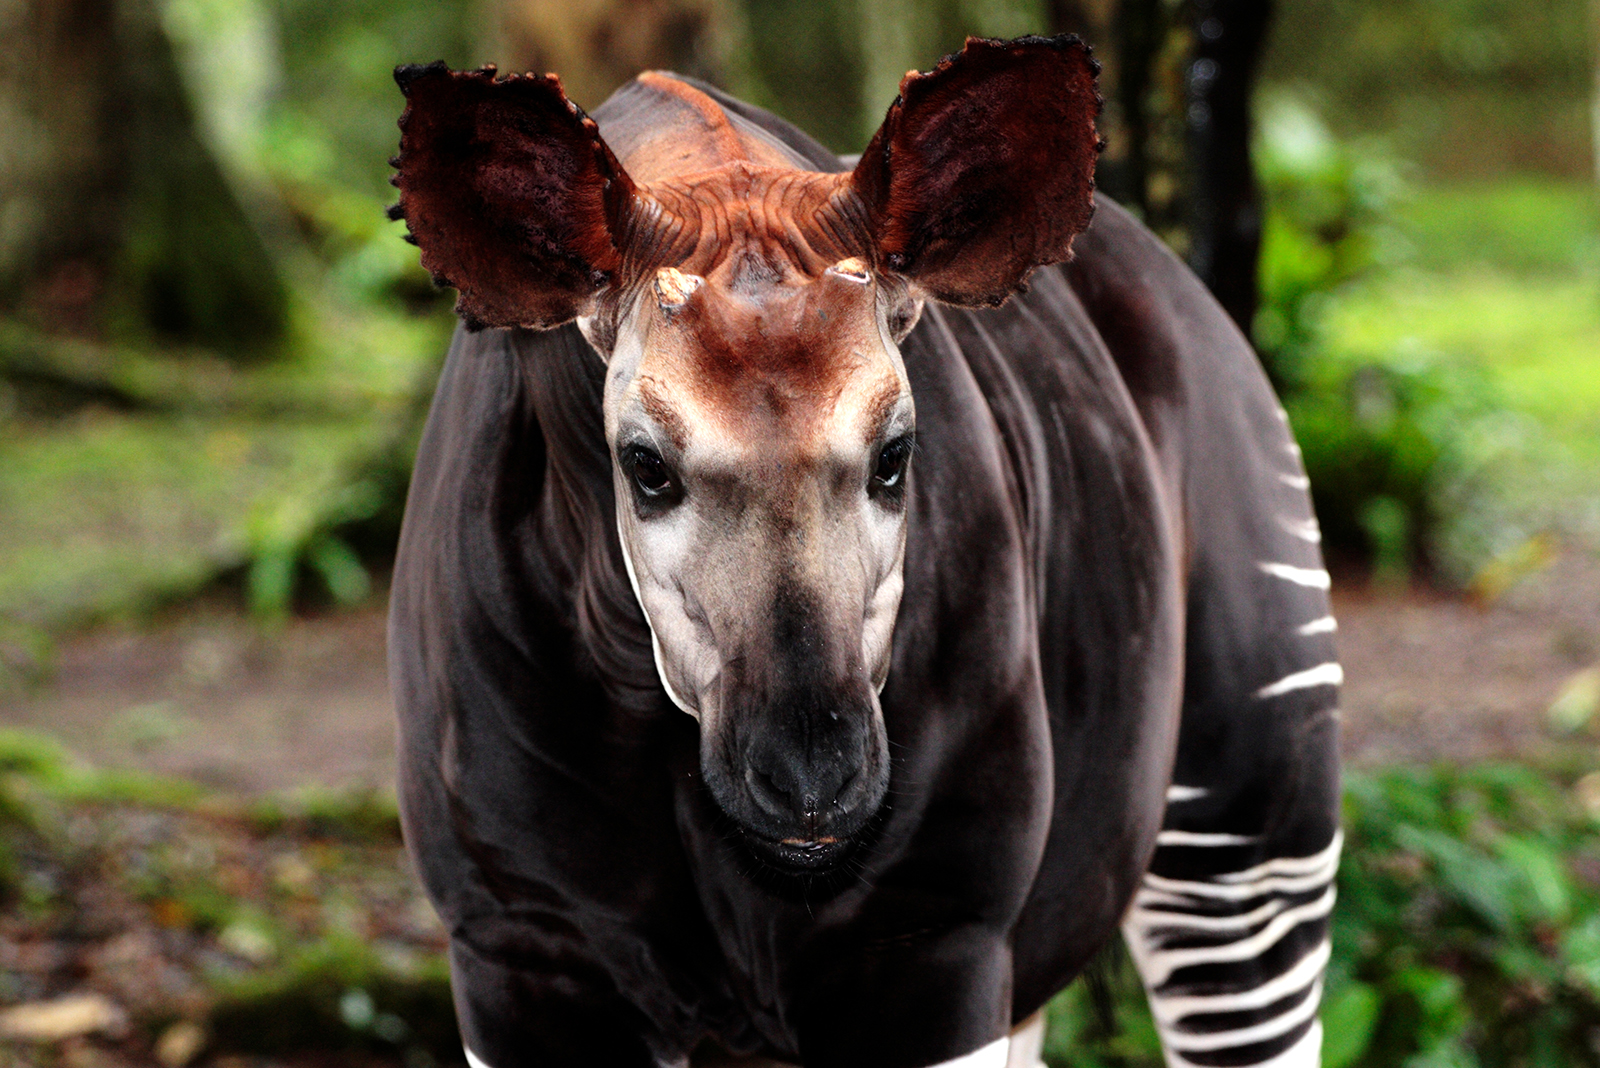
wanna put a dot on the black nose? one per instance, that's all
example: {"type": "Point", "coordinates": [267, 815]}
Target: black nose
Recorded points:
{"type": "Point", "coordinates": [805, 793]}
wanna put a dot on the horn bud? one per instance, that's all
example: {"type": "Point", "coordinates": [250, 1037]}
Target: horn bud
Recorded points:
{"type": "Point", "coordinates": [852, 269]}
{"type": "Point", "coordinates": [674, 288]}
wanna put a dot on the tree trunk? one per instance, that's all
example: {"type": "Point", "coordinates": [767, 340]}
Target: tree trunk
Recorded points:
{"type": "Point", "coordinates": [596, 45]}
{"type": "Point", "coordinates": [1224, 202]}
{"type": "Point", "coordinates": [116, 221]}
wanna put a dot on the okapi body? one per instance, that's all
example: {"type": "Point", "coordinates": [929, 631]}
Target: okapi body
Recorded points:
{"type": "Point", "coordinates": [997, 627]}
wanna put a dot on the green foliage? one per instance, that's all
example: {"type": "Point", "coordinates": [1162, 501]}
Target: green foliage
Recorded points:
{"type": "Point", "coordinates": [1467, 933]}
{"type": "Point", "coordinates": [1377, 436]}
{"type": "Point", "coordinates": [1478, 87]}
{"type": "Point", "coordinates": [1433, 348]}
{"type": "Point", "coordinates": [1468, 902]}
{"type": "Point", "coordinates": [1382, 444]}
{"type": "Point", "coordinates": [1326, 201]}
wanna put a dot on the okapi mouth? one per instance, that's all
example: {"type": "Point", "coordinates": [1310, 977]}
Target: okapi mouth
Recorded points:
{"type": "Point", "coordinates": [797, 810]}
{"type": "Point", "coordinates": [801, 856]}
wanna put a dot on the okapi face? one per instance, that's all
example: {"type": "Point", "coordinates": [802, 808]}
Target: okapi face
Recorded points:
{"type": "Point", "coordinates": [757, 410]}
{"type": "Point", "coordinates": [761, 429]}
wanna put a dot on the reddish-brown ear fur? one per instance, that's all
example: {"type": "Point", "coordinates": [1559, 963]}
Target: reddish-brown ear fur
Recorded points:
{"type": "Point", "coordinates": [984, 167]}
{"type": "Point", "coordinates": [509, 192]}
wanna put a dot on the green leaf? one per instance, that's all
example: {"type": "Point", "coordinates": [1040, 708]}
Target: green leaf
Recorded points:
{"type": "Point", "coordinates": [341, 570]}
{"type": "Point", "coordinates": [1348, 1020]}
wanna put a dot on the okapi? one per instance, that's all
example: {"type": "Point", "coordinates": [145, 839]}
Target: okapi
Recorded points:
{"type": "Point", "coordinates": [998, 614]}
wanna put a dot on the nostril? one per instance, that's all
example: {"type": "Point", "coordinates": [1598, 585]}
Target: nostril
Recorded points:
{"type": "Point", "coordinates": [768, 795]}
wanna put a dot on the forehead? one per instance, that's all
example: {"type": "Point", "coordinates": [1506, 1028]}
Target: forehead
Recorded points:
{"type": "Point", "coordinates": [761, 351]}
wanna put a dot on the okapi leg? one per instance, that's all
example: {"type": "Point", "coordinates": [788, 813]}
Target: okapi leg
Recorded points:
{"type": "Point", "coordinates": [1229, 926]}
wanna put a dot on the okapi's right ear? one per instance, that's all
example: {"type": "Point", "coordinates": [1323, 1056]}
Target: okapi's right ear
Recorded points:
{"type": "Point", "coordinates": [984, 167]}
{"type": "Point", "coordinates": [510, 194]}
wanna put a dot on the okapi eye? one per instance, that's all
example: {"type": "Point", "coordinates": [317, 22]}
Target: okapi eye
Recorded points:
{"type": "Point", "coordinates": [892, 461]}
{"type": "Point", "coordinates": [649, 472]}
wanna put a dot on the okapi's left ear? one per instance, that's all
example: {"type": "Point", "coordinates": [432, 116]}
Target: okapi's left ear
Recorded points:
{"type": "Point", "coordinates": [984, 167]}
{"type": "Point", "coordinates": [510, 194]}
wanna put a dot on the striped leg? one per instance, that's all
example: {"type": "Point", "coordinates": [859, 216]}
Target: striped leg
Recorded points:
{"type": "Point", "coordinates": [1233, 962]}
{"type": "Point", "coordinates": [1229, 928]}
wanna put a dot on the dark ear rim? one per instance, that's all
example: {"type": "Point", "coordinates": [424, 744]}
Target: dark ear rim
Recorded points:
{"type": "Point", "coordinates": [537, 272]}
{"type": "Point", "coordinates": [900, 237]}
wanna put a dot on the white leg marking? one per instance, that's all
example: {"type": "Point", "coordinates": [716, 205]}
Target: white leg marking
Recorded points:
{"type": "Point", "coordinates": [1245, 1036]}
{"type": "Point", "coordinates": [1169, 1010]}
{"type": "Point", "coordinates": [1157, 965]}
{"type": "Point", "coordinates": [1182, 1017]}
{"type": "Point", "coordinates": [1325, 625]}
{"type": "Point", "coordinates": [1282, 875]}
{"type": "Point", "coordinates": [994, 1055]}
{"type": "Point", "coordinates": [1027, 1043]}
{"type": "Point", "coordinates": [1324, 863]}
{"type": "Point", "coordinates": [1185, 793]}
{"type": "Point", "coordinates": [1306, 1053]}
{"type": "Point", "coordinates": [1315, 577]}
{"type": "Point", "coordinates": [1293, 448]}
{"type": "Point", "coordinates": [1303, 1054]}
{"type": "Point", "coordinates": [1168, 920]}
{"type": "Point", "coordinates": [1197, 838]}
{"type": "Point", "coordinates": [1296, 481]}
{"type": "Point", "coordinates": [1304, 529]}
{"type": "Point", "coordinates": [1329, 674]}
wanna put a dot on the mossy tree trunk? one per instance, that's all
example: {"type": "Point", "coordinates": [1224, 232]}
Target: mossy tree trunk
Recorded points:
{"type": "Point", "coordinates": [116, 221]}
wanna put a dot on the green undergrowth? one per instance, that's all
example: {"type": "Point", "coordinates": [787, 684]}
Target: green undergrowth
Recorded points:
{"type": "Point", "coordinates": [183, 472]}
{"type": "Point", "coordinates": [1466, 935]}
{"type": "Point", "coordinates": [282, 926]}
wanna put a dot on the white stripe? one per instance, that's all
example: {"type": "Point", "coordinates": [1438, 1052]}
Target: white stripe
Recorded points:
{"type": "Point", "coordinates": [1170, 920]}
{"type": "Point", "coordinates": [1157, 965]}
{"type": "Point", "coordinates": [1283, 416]}
{"type": "Point", "coordinates": [1287, 875]}
{"type": "Point", "coordinates": [1304, 529]}
{"type": "Point", "coordinates": [1325, 625]}
{"type": "Point", "coordinates": [473, 1060]}
{"type": "Point", "coordinates": [1329, 674]}
{"type": "Point", "coordinates": [1297, 481]}
{"type": "Point", "coordinates": [1185, 793]}
{"type": "Point", "coordinates": [1197, 838]}
{"type": "Point", "coordinates": [1245, 1036]}
{"type": "Point", "coordinates": [1159, 891]}
{"type": "Point", "coordinates": [1306, 1053]}
{"type": "Point", "coordinates": [1324, 861]}
{"type": "Point", "coordinates": [1293, 448]}
{"type": "Point", "coordinates": [1169, 1010]}
{"type": "Point", "coordinates": [1315, 577]}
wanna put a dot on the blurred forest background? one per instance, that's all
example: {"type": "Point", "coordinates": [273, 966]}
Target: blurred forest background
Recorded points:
{"type": "Point", "coordinates": [216, 353]}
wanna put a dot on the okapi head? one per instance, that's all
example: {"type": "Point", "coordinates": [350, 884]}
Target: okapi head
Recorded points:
{"type": "Point", "coordinates": [758, 413]}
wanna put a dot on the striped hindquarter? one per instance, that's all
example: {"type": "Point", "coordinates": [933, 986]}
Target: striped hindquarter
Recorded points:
{"type": "Point", "coordinates": [1229, 927]}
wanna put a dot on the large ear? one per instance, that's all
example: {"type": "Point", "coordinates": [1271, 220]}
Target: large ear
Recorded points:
{"type": "Point", "coordinates": [509, 192]}
{"type": "Point", "coordinates": [984, 167]}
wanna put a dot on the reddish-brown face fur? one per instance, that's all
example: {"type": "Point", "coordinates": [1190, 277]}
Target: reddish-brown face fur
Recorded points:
{"type": "Point", "coordinates": [761, 356]}
{"type": "Point", "coordinates": [772, 345]}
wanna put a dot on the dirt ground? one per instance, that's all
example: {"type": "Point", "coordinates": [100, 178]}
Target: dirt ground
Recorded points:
{"type": "Point", "coordinates": [212, 696]}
